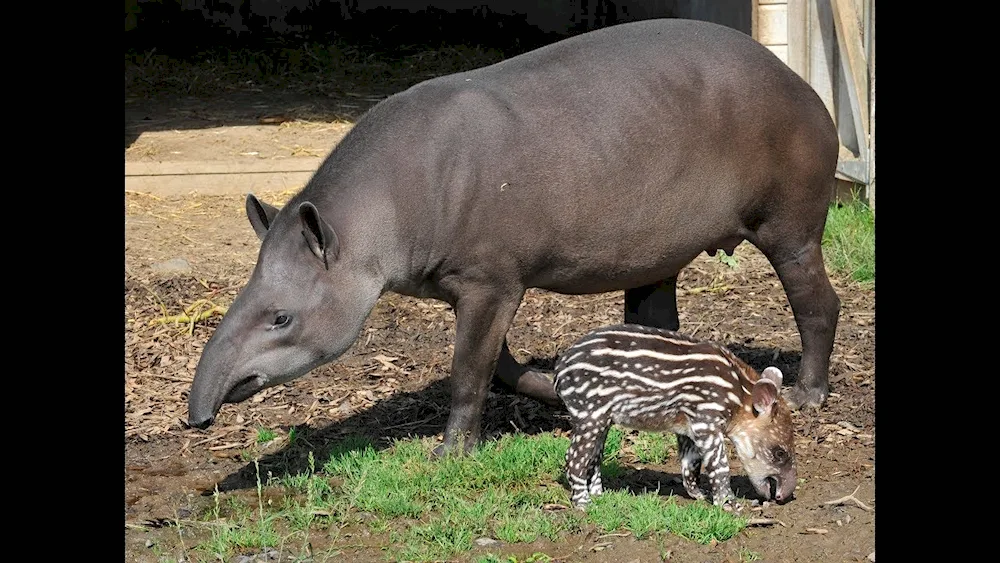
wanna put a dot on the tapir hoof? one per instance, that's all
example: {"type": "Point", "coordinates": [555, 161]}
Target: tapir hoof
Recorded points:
{"type": "Point", "coordinates": [445, 449]}
{"type": "Point", "coordinates": [801, 397]}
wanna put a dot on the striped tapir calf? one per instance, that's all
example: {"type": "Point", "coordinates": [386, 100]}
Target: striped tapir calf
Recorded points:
{"type": "Point", "coordinates": [652, 379]}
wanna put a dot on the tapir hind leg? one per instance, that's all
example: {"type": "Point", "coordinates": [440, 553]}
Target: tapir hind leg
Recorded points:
{"type": "Point", "coordinates": [653, 305]}
{"type": "Point", "coordinates": [483, 316]}
{"type": "Point", "coordinates": [797, 258]}
{"type": "Point", "coordinates": [529, 382]}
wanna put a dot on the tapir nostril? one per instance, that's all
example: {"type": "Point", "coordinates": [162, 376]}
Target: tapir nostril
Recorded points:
{"type": "Point", "coordinates": [201, 425]}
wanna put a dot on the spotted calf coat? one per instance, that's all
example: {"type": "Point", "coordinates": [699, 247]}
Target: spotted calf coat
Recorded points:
{"type": "Point", "coordinates": [652, 379]}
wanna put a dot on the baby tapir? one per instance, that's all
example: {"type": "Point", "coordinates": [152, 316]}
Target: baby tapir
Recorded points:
{"type": "Point", "coordinates": [651, 379]}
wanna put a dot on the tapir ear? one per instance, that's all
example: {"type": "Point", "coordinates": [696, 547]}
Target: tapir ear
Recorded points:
{"type": "Point", "coordinates": [764, 394]}
{"type": "Point", "coordinates": [261, 215]}
{"type": "Point", "coordinates": [320, 236]}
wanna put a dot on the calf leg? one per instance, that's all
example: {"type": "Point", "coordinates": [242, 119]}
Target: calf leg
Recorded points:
{"type": "Point", "coordinates": [690, 466]}
{"type": "Point", "coordinates": [583, 459]}
{"type": "Point", "coordinates": [711, 444]}
{"type": "Point", "coordinates": [653, 305]}
{"type": "Point", "coordinates": [594, 485]}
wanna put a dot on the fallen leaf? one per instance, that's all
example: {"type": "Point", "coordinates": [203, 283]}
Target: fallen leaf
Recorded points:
{"type": "Point", "coordinates": [386, 362]}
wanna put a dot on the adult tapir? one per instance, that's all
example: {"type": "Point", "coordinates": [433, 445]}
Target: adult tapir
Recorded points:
{"type": "Point", "coordinates": [606, 161]}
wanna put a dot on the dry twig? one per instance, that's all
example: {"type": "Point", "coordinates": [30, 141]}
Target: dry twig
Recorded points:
{"type": "Point", "coordinates": [851, 497]}
{"type": "Point", "coordinates": [765, 522]}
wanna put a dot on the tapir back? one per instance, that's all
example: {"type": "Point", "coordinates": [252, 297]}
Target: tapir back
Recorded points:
{"type": "Point", "coordinates": [629, 150]}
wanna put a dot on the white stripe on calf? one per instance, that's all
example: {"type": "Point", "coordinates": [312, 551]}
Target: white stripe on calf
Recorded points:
{"type": "Point", "coordinates": [657, 355]}
{"type": "Point", "coordinates": [588, 342]}
{"type": "Point", "coordinates": [650, 382]}
{"type": "Point", "coordinates": [603, 391]}
{"type": "Point", "coordinates": [618, 399]}
{"type": "Point", "coordinates": [580, 365]}
{"type": "Point", "coordinates": [645, 335]}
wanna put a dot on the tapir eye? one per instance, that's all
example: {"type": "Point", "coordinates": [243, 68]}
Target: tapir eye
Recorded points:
{"type": "Point", "coordinates": [280, 320]}
{"type": "Point", "coordinates": [779, 455]}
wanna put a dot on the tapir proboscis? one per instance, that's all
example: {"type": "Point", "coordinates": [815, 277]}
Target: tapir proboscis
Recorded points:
{"type": "Point", "coordinates": [606, 161]}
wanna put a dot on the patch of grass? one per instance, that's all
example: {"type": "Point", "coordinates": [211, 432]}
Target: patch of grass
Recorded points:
{"type": "Point", "coordinates": [654, 447]}
{"type": "Point", "coordinates": [229, 536]}
{"type": "Point", "coordinates": [611, 467]}
{"type": "Point", "coordinates": [265, 435]}
{"type": "Point", "coordinates": [746, 554]}
{"type": "Point", "coordinates": [647, 513]}
{"type": "Point", "coordinates": [434, 509]}
{"type": "Point", "coordinates": [849, 240]}
{"type": "Point", "coordinates": [524, 524]}
{"type": "Point", "coordinates": [732, 261]}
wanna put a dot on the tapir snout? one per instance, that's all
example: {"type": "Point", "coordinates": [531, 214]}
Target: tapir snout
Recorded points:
{"type": "Point", "coordinates": [204, 403]}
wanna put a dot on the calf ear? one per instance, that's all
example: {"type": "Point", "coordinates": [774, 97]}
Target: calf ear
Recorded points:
{"type": "Point", "coordinates": [764, 394]}
{"type": "Point", "coordinates": [261, 215]}
{"type": "Point", "coordinates": [774, 374]}
{"type": "Point", "coordinates": [319, 235]}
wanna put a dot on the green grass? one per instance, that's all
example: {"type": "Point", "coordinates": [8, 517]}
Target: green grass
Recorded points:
{"type": "Point", "coordinates": [849, 240]}
{"type": "Point", "coordinates": [265, 435]}
{"type": "Point", "coordinates": [432, 509]}
{"type": "Point", "coordinates": [647, 513]}
{"type": "Point", "coordinates": [654, 447]}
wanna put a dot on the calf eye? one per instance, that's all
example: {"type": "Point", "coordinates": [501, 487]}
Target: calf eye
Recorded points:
{"type": "Point", "coordinates": [779, 455]}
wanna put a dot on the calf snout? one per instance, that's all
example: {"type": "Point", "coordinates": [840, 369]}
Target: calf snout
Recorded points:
{"type": "Point", "coordinates": [779, 488]}
{"type": "Point", "coordinates": [784, 490]}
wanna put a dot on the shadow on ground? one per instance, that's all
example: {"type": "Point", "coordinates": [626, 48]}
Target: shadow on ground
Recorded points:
{"type": "Point", "coordinates": [183, 72]}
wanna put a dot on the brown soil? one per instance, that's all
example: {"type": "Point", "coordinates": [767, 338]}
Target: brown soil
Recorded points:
{"type": "Point", "coordinates": [168, 467]}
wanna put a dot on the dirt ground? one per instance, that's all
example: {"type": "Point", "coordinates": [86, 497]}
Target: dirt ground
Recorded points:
{"type": "Point", "coordinates": [393, 382]}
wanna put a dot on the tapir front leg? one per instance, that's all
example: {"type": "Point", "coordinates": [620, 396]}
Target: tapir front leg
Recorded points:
{"type": "Point", "coordinates": [483, 316]}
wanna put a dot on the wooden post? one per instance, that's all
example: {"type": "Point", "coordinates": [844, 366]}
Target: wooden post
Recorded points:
{"type": "Point", "coordinates": [871, 138]}
{"type": "Point", "coordinates": [853, 62]}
